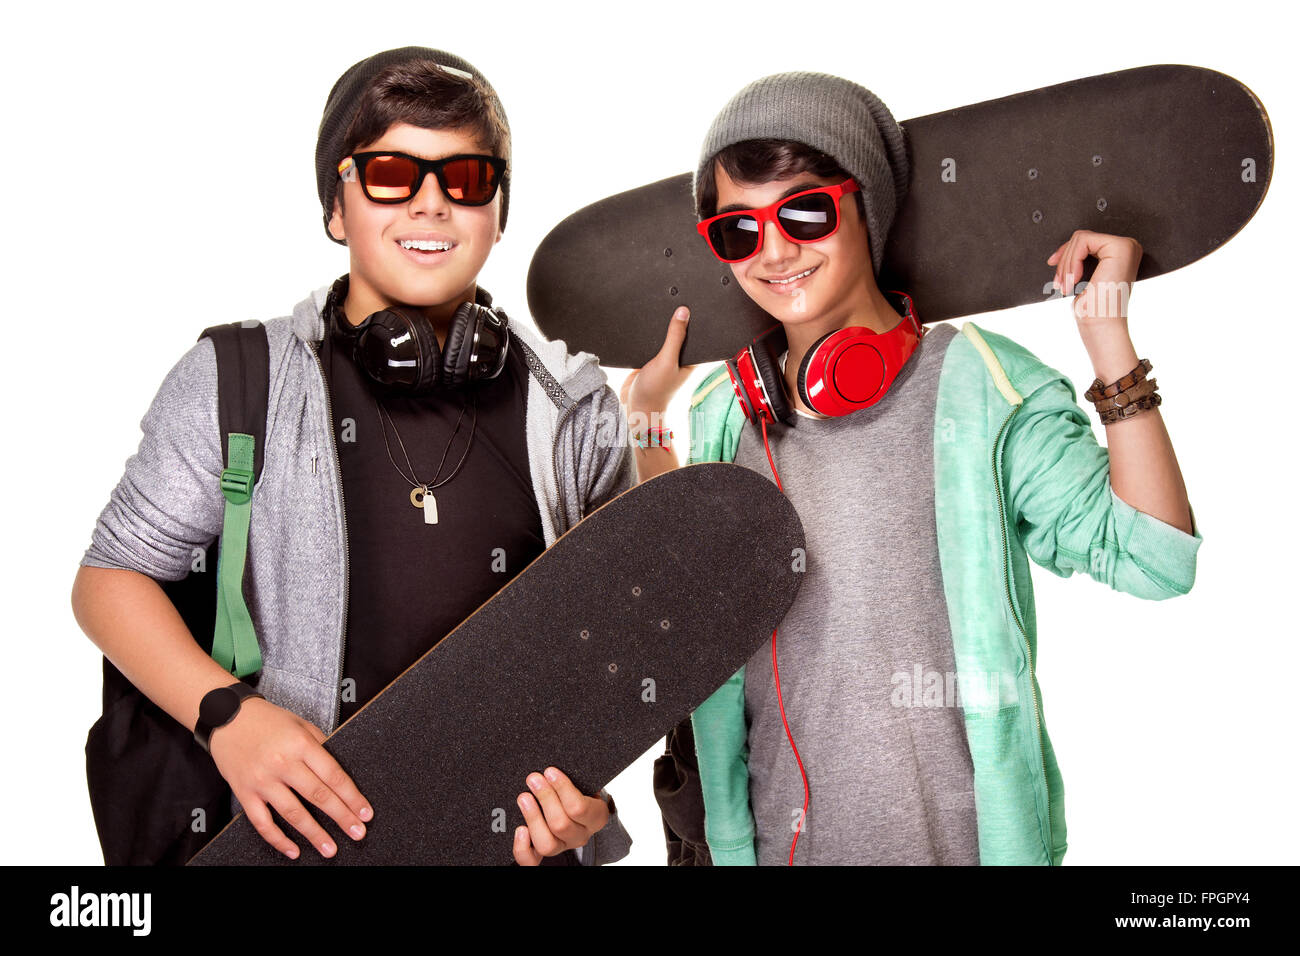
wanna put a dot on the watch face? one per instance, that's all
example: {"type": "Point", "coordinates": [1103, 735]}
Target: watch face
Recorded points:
{"type": "Point", "coordinates": [218, 706]}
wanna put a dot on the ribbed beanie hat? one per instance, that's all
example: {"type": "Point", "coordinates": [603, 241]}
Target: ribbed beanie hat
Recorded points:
{"type": "Point", "coordinates": [845, 121]}
{"type": "Point", "coordinates": [341, 109]}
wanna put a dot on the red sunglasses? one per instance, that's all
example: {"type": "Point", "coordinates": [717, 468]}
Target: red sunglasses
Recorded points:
{"type": "Point", "coordinates": [804, 217]}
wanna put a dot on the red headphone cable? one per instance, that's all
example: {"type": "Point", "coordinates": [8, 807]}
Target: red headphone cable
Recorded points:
{"type": "Point", "coordinates": [776, 674]}
{"type": "Point", "coordinates": [769, 456]}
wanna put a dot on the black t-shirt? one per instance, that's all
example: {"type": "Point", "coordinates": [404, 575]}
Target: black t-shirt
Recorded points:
{"type": "Point", "coordinates": [410, 582]}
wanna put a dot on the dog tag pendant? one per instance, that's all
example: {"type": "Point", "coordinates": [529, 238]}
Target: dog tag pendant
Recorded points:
{"type": "Point", "coordinates": [422, 498]}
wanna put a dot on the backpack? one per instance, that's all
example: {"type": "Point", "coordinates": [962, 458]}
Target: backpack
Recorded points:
{"type": "Point", "coordinates": [156, 795]}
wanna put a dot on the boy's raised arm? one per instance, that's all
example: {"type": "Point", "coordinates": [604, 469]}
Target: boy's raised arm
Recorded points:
{"type": "Point", "coordinates": [1143, 469]}
{"type": "Point", "coordinates": [646, 393]}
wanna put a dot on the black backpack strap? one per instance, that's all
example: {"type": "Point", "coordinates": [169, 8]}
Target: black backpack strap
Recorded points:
{"type": "Point", "coordinates": [243, 384]}
{"type": "Point", "coordinates": [243, 390]}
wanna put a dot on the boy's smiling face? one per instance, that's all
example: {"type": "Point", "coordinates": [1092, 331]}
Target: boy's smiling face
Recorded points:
{"type": "Point", "coordinates": [839, 277]}
{"type": "Point", "coordinates": [382, 272]}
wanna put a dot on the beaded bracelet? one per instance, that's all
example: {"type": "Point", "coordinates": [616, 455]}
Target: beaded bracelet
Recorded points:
{"type": "Point", "coordinates": [657, 437]}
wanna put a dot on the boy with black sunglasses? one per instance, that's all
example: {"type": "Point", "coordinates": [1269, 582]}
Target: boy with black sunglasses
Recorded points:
{"type": "Point", "coordinates": [462, 444]}
{"type": "Point", "coordinates": [895, 717]}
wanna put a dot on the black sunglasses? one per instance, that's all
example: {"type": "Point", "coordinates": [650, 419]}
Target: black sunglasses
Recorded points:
{"type": "Point", "coordinates": [391, 177]}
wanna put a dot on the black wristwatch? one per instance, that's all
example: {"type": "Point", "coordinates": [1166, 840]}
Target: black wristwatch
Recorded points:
{"type": "Point", "coordinates": [219, 708]}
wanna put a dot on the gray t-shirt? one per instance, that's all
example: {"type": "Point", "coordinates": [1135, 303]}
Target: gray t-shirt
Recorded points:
{"type": "Point", "coordinates": [865, 654]}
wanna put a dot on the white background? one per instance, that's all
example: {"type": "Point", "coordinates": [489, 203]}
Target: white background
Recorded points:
{"type": "Point", "coordinates": [1173, 721]}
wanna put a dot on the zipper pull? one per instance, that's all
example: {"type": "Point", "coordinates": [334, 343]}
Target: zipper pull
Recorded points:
{"type": "Point", "coordinates": [313, 464]}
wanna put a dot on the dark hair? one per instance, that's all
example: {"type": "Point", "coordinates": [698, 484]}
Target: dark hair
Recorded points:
{"type": "Point", "coordinates": [756, 161]}
{"type": "Point", "coordinates": [423, 93]}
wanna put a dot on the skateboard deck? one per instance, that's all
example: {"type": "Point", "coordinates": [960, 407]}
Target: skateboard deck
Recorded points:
{"type": "Point", "coordinates": [592, 653]}
{"type": "Point", "coordinates": [1178, 157]}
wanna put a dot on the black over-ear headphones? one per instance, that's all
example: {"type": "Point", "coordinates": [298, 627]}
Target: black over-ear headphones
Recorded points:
{"type": "Point", "coordinates": [397, 348]}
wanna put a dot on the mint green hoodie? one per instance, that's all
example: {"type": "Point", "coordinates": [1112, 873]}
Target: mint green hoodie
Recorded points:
{"type": "Point", "coordinates": [1018, 474]}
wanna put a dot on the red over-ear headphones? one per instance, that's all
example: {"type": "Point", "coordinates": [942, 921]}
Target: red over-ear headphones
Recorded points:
{"type": "Point", "coordinates": [843, 371]}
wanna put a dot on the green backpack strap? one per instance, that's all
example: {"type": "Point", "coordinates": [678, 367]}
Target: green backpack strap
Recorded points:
{"type": "Point", "coordinates": [243, 375]}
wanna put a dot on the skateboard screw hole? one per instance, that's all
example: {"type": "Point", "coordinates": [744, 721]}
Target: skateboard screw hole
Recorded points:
{"type": "Point", "coordinates": [1096, 160]}
{"type": "Point", "coordinates": [613, 668]}
{"type": "Point", "coordinates": [636, 591]}
{"type": "Point", "coordinates": [1033, 174]}
{"type": "Point", "coordinates": [673, 290]}
{"type": "Point", "coordinates": [664, 624]}
{"type": "Point", "coordinates": [726, 280]}
{"type": "Point", "coordinates": [1038, 216]}
{"type": "Point", "coordinates": [1101, 205]}
{"type": "Point", "coordinates": [584, 634]}
{"type": "Point", "coordinates": [668, 252]}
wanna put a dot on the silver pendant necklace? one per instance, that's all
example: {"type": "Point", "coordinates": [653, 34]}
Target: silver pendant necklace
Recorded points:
{"type": "Point", "coordinates": [422, 496]}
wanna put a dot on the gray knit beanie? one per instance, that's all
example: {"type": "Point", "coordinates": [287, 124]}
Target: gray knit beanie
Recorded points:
{"type": "Point", "coordinates": [341, 109]}
{"type": "Point", "coordinates": [841, 119]}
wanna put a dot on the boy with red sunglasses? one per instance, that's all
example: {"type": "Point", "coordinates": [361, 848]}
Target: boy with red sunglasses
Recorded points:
{"type": "Point", "coordinates": [895, 717]}
{"type": "Point", "coordinates": [400, 391]}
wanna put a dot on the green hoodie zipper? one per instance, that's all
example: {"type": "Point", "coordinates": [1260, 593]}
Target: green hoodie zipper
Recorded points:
{"type": "Point", "coordinates": [1029, 654]}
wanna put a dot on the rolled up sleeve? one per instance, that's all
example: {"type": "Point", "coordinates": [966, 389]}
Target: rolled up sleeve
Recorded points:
{"type": "Point", "coordinates": [1067, 514]}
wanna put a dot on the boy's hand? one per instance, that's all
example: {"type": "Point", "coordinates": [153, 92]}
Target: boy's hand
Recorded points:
{"type": "Point", "coordinates": [266, 754]}
{"type": "Point", "coordinates": [1105, 300]}
{"type": "Point", "coordinates": [559, 818]}
{"type": "Point", "coordinates": [650, 388]}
